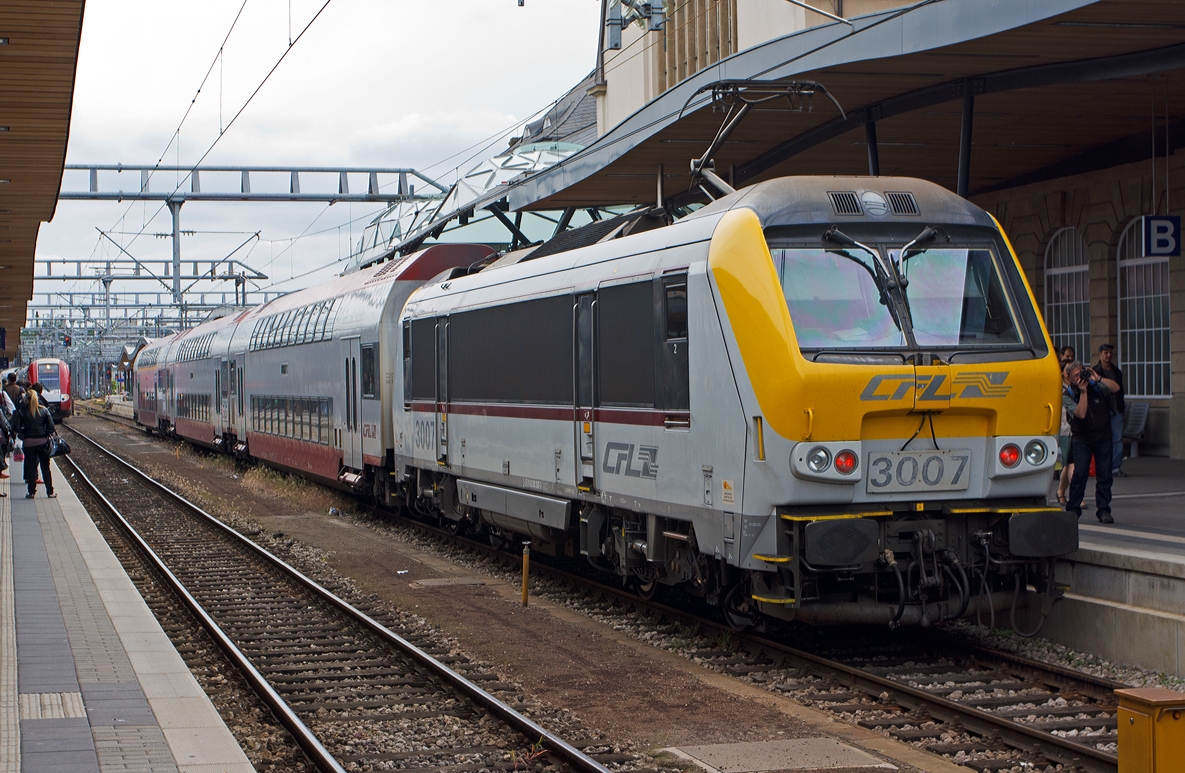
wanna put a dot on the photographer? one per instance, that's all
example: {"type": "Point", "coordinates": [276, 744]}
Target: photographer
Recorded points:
{"type": "Point", "coordinates": [1087, 400]}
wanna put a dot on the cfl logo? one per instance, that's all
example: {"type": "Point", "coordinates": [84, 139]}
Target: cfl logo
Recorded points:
{"type": "Point", "coordinates": [619, 457]}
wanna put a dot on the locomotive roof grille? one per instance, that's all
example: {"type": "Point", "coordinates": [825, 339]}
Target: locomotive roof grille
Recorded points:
{"type": "Point", "coordinates": [845, 202]}
{"type": "Point", "coordinates": [902, 203]}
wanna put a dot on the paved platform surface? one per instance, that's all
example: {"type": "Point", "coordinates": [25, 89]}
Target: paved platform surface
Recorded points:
{"type": "Point", "coordinates": [769, 756]}
{"type": "Point", "coordinates": [1147, 505]}
{"type": "Point", "coordinates": [88, 679]}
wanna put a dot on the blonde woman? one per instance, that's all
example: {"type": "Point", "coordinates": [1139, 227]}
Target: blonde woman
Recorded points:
{"type": "Point", "coordinates": [34, 426]}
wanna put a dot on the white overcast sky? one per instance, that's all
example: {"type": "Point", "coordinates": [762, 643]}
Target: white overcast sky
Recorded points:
{"type": "Point", "coordinates": [379, 83]}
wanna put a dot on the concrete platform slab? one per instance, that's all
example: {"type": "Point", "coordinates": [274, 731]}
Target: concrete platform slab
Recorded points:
{"type": "Point", "coordinates": [88, 680]}
{"type": "Point", "coordinates": [800, 754]}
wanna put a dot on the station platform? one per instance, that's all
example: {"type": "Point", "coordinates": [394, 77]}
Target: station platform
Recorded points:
{"type": "Point", "coordinates": [1126, 597]}
{"type": "Point", "coordinates": [88, 679]}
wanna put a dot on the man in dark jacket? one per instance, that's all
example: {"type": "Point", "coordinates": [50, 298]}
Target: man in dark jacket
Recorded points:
{"type": "Point", "coordinates": [1109, 370]}
{"type": "Point", "coordinates": [34, 426]}
{"type": "Point", "coordinates": [14, 392]}
{"type": "Point", "coordinates": [1086, 399]}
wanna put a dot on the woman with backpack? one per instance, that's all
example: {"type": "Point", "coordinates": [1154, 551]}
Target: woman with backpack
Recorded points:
{"type": "Point", "coordinates": [34, 426]}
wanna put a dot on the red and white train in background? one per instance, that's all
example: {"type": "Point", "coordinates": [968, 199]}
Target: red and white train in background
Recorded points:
{"type": "Point", "coordinates": [54, 377]}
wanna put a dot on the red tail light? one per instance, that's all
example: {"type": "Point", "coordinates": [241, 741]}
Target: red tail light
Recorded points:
{"type": "Point", "coordinates": [1010, 455]}
{"type": "Point", "coordinates": [845, 462]}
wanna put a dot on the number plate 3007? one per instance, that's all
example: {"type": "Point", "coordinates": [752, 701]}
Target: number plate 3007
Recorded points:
{"type": "Point", "coordinates": [909, 471]}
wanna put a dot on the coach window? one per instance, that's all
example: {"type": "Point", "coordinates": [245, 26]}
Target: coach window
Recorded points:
{"type": "Point", "coordinates": [368, 372]}
{"type": "Point", "coordinates": [308, 316]}
{"type": "Point", "coordinates": [1067, 291]}
{"type": "Point", "coordinates": [1143, 317]}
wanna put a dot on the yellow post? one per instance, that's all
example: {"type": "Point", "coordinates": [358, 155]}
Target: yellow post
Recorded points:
{"type": "Point", "coordinates": [1151, 730]}
{"type": "Point", "coordinates": [526, 565]}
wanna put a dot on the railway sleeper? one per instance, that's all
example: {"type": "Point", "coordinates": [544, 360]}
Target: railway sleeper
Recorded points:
{"type": "Point", "coordinates": [972, 747]}
{"type": "Point", "coordinates": [375, 716]}
{"type": "Point", "coordinates": [291, 687]}
{"type": "Point", "coordinates": [1055, 711]}
{"type": "Point", "coordinates": [397, 756]}
{"type": "Point", "coordinates": [918, 733]}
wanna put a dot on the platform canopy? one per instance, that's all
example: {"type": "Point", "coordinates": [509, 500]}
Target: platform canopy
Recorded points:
{"type": "Point", "coordinates": [38, 55]}
{"type": "Point", "coordinates": [1049, 88]}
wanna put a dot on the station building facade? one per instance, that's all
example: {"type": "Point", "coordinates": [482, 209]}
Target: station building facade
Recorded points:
{"type": "Point", "coordinates": [1080, 241]}
{"type": "Point", "coordinates": [1077, 108]}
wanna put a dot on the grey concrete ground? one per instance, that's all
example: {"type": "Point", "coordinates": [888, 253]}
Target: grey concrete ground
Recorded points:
{"type": "Point", "coordinates": [1151, 499]}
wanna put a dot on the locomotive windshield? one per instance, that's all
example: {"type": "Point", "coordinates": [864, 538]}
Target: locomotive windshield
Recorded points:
{"type": "Point", "coordinates": [954, 297]}
{"type": "Point", "coordinates": [47, 376]}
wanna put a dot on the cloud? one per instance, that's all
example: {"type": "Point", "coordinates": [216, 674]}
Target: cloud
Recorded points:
{"type": "Point", "coordinates": [373, 83]}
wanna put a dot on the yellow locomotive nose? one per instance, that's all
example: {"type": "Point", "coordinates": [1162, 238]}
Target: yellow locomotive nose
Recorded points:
{"type": "Point", "coordinates": [824, 394]}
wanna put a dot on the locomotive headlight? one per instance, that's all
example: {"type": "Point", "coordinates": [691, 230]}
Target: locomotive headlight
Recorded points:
{"type": "Point", "coordinates": [818, 459]}
{"type": "Point", "coordinates": [1035, 452]}
{"type": "Point", "coordinates": [845, 462]}
{"type": "Point", "coordinates": [1010, 455]}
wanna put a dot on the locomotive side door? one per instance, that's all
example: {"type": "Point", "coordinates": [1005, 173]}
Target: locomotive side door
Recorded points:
{"type": "Point", "coordinates": [585, 368]}
{"type": "Point", "coordinates": [442, 393]}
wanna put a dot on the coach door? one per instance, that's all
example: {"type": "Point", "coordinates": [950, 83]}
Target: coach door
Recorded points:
{"type": "Point", "coordinates": [234, 397]}
{"type": "Point", "coordinates": [239, 411]}
{"type": "Point", "coordinates": [352, 447]}
{"type": "Point", "coordinates": [223, 391]}
{"type": "Point", "coordinates": [442, 394]}
{"type": "Point", "coordinates": [585, 368]}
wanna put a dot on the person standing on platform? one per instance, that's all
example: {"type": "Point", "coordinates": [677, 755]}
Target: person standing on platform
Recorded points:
{"type": "Point", "coordinates": [1063, 444]}
{"type": "Point", "coordinates": [6, 415]}
{"type": "Point", "coordinates": [13, 391]}
{"type": "Point", "coordinates": [1108, 369]}
{"type": "Point", "coordinates": [1067, 356]}
{"type": "Point", "coordinates": [34, 426]}
{"type": "Point", "coordinates": [1086, 399]}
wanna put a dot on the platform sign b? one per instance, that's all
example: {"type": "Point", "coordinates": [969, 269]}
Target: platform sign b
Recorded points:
{"type": "Point", "coordinates": [1162, 236]}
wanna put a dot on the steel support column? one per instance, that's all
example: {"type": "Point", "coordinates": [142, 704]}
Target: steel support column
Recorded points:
{"type": "Point", "coordinates": [175, 211]}
{"type": "Point", "coordinates": [874, 156]}
{"type": "Point", "coordinates": [965, 143]}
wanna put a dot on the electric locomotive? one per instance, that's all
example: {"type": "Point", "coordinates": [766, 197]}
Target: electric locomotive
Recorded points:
{"type": "Point", "coordinates": [821, 399]}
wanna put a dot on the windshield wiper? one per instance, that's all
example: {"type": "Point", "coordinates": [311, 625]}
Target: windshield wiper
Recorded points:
{"type": "Point", "coordinates": [884, 282]}
{"type": "Point", "coordinates": [928, 234]}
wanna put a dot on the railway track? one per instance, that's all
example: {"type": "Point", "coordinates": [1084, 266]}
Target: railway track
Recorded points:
{"type": "Point", "coordinates": [982, 708]}
{"type": "Point", "coordinates": [352, 692]}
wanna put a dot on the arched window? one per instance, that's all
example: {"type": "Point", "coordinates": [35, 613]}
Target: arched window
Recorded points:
{"type": "Point", "coordinates": [1143, 317]}
{"type": "Point", "coordinates": [1067, 292]}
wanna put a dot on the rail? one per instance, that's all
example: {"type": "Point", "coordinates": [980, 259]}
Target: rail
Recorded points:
{"type": "Point", "coordinates": [530, 729]}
